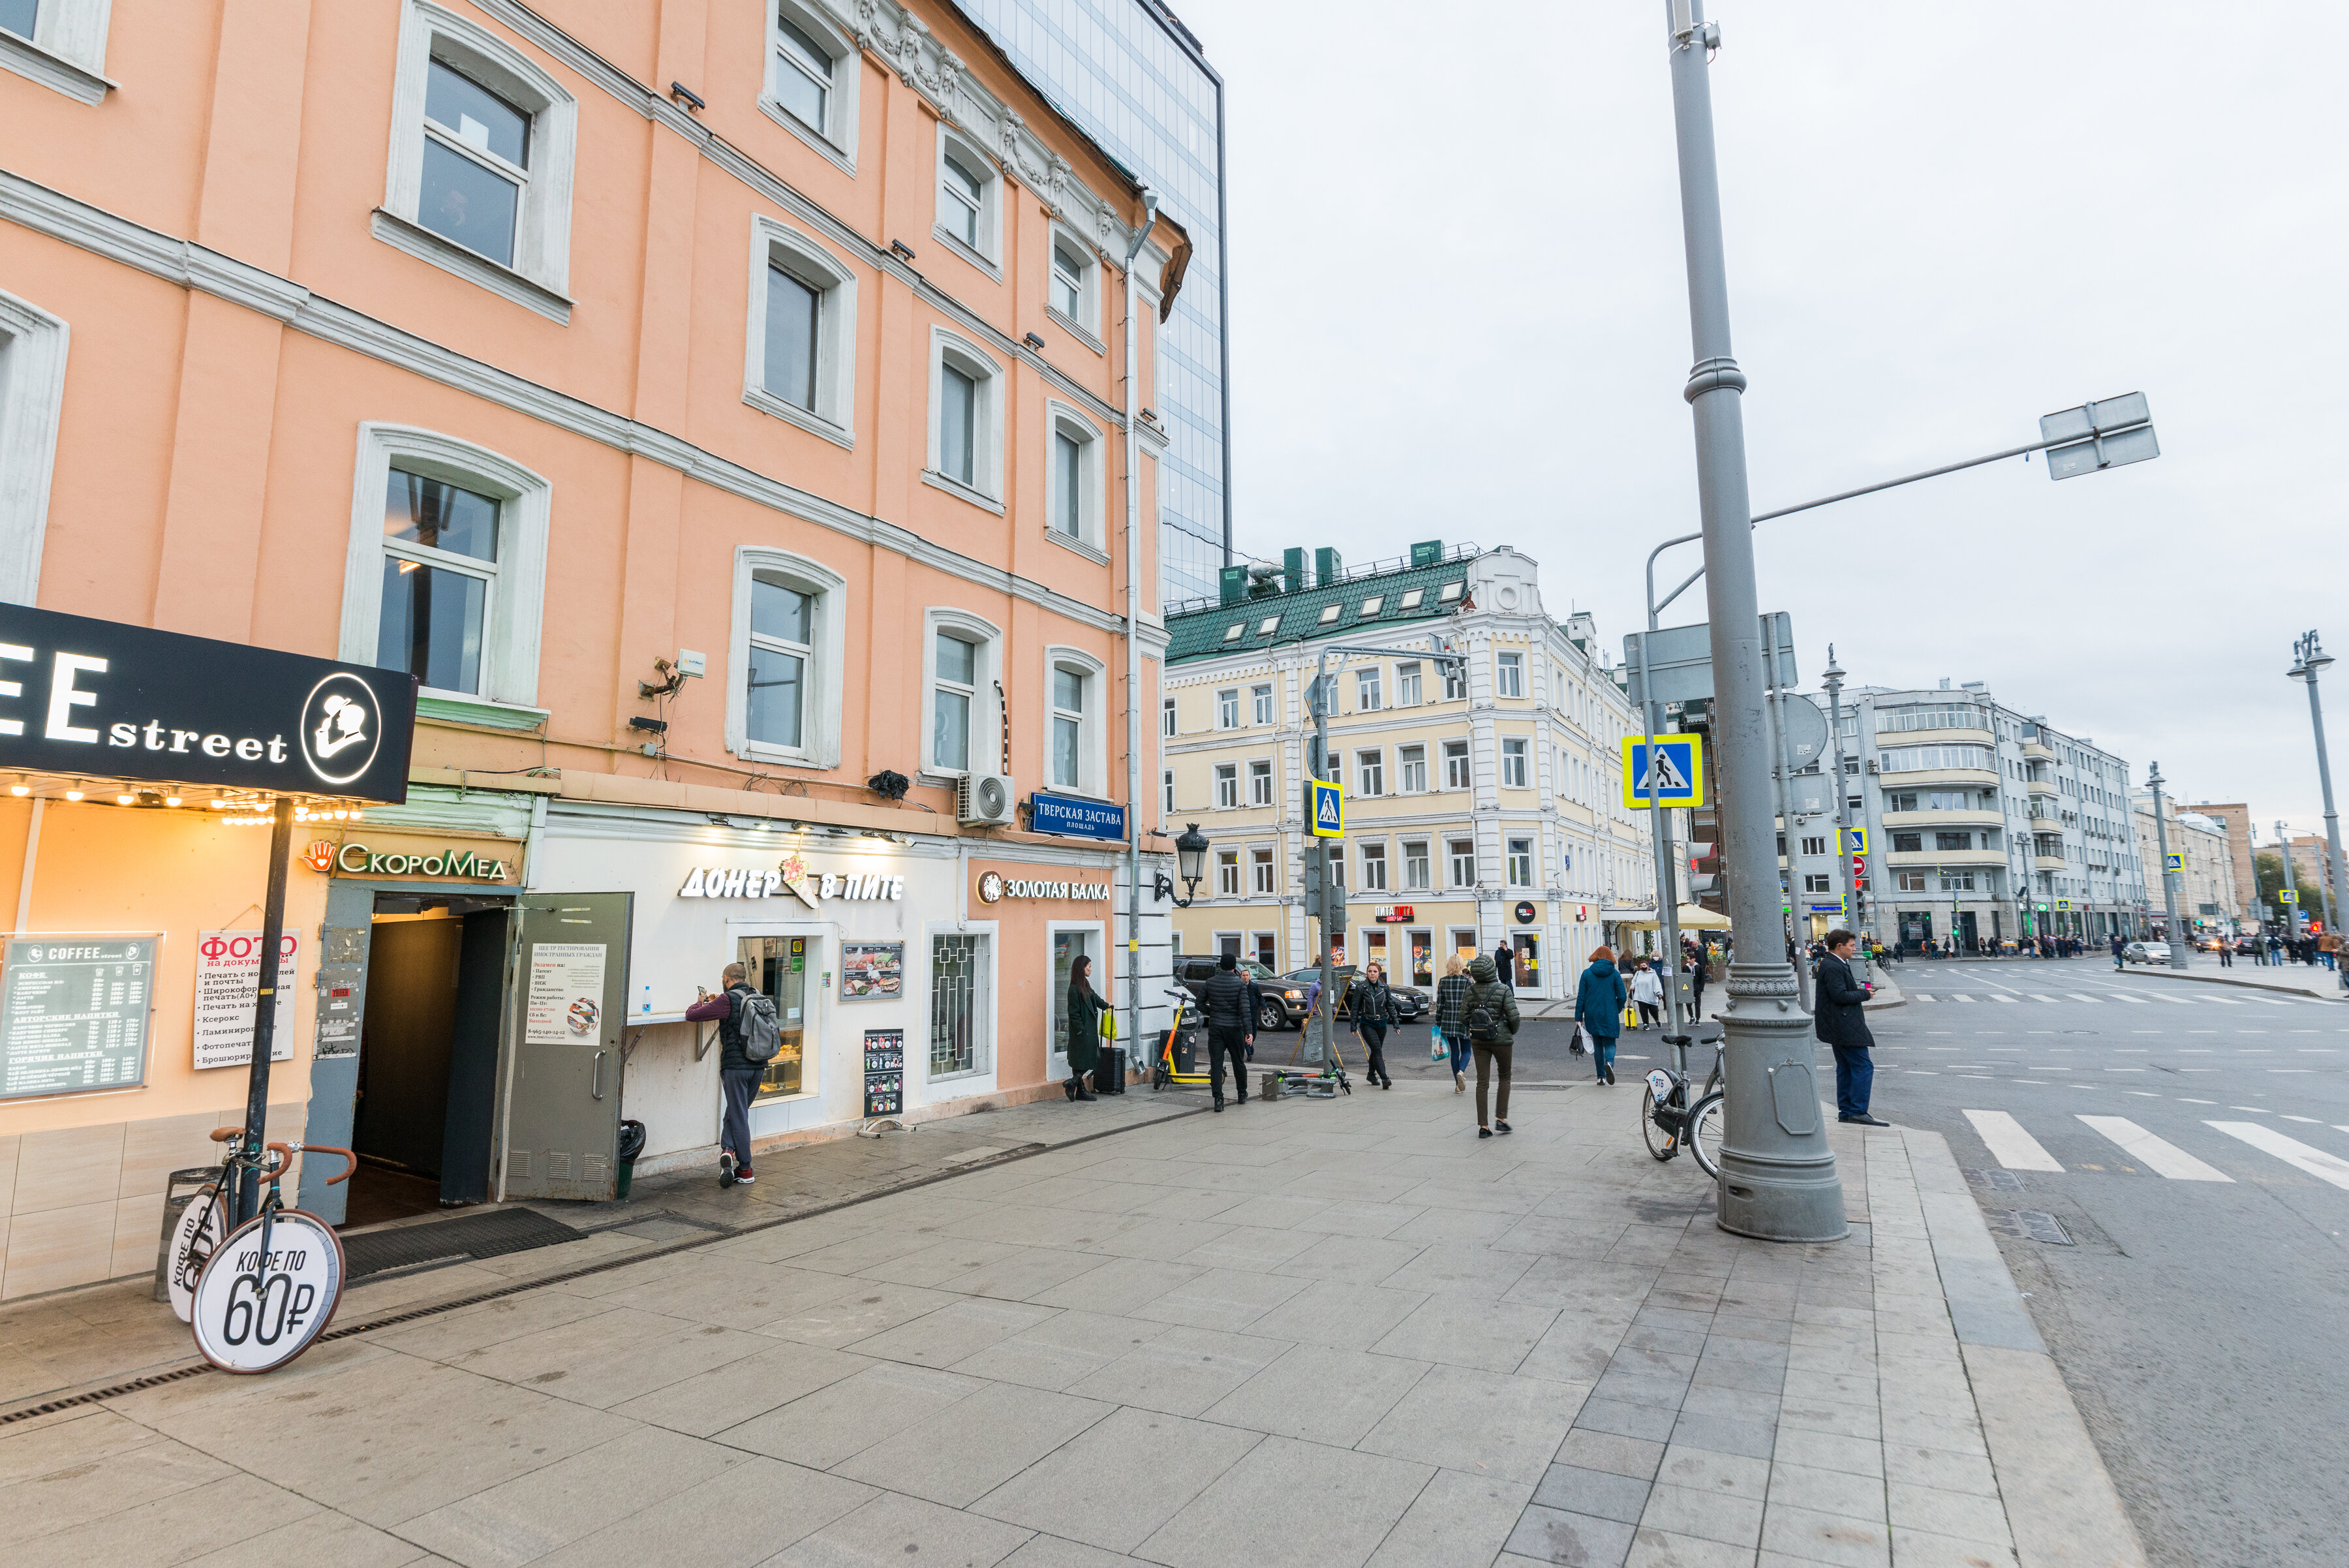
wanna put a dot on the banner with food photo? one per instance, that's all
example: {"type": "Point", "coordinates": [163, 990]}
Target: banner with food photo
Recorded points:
{"type": "Point", "coordinates": [872, 971]}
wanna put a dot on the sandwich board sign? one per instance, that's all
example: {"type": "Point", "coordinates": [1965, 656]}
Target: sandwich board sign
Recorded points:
{"type": "Point", "coordinates": [1679, 765]}
{"type": "Point", "coordinates": [1325, 808]}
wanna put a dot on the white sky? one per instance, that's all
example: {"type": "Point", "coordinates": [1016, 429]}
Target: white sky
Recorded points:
{"type": "Point", "coordinates": [1458, 308]}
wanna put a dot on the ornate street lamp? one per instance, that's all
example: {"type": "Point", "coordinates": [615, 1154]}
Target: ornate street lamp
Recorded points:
{"type": "Point", "coordinates": [1191, 860]}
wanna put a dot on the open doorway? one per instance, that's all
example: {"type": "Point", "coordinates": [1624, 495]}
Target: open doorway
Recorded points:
{"type": "Point", "coordinates": [428, 1065]}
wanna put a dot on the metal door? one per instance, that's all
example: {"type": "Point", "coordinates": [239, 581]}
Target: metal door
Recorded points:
{"type": "Point", "coordinates": [345, 938]}
{"type": "Point", "coordinates": [566, 997]}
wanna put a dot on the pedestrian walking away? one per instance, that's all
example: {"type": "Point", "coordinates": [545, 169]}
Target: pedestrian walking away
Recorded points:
{"type": "Point", "coordinates": [737, 1074]}
{"type": "Point", "coordinates": [1844, 1027]}
{"type": "Point", "coordinates": [1085, 1009]}
{"type": "Point", "coordinates": [1370, 1012]}
{"type": "Point", "coordinates": [1598, 1000]}
{"type": "Point", "coordinates": [1232, 1005]}
{"type": "Point", "coordinates": [1492, 1018]}
{"type": "Point", "coordinates": [2119, 947]}
{"type": "Point", "coordinates": [1648, 991]}
{"type": "Point", "coordinates": [1451, 1017]}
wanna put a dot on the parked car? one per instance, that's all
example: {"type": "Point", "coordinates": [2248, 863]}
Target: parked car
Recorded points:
{"type": "Point", "coordinates": [1411, 1004]}
{"type": "Point", "coordinates": [1284, 1001]}
{"type": "Point", "coordinates": [2146, 952]}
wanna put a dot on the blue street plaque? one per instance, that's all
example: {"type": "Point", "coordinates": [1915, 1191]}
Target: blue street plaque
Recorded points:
{"type": "Point", "coordinates": [1075, 817]}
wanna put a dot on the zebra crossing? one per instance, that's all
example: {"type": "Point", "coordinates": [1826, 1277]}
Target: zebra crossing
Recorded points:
{"type": "Point", "coordinates": [2133, 999]}
{"type": "Point", "coordinates": [2016, 1148]}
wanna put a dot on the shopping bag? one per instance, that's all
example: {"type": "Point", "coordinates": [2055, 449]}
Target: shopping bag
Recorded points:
{"type": "Point", "coordinates": [1109, 1023]}
{"type": "Point", "coordinates": [1437, 1050]}
{"type": "Point", "coordinates": [1576, 1045]}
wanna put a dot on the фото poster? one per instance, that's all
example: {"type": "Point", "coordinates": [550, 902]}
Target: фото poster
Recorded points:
{"type": "Point", "coordinates": [564, 1004]}
{"type": "Point", "coordinates": [872, 971]}
{"type": "Point", "coordinates": [228, 981]}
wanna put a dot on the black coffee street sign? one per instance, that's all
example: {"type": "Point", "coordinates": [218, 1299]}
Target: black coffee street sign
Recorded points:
{"type": "Point", "coordinates": [100, 700]}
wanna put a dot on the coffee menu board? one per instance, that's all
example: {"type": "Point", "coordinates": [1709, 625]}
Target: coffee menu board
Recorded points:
{"type": "Point", "coordinates": [76, 1012]}
{"type": "Point", "coordinates": [884, 1071]}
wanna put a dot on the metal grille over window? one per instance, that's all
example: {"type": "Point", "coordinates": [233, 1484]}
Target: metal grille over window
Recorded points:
{"type": "Point", "coordinates": [954, 1004]}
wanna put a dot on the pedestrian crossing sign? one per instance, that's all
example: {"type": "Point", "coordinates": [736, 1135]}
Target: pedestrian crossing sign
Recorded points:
{"type": "Point", "coordinates": [2287, 894]}
{"type": "Point", "coordinates": [1325, 808]}
{"type": "Point", "coordinates": [2063, 903]}
{"type": "Point", "coordinates": [1855, 841]}
{"type": "Point", "coordinates": [2173, 862]}
{"type": "Point", "coordinates": [1679, 769]}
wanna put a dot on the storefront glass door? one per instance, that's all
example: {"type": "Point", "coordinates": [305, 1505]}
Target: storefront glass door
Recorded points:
{"type": "Point", "coordinates": [1528, 949]}
{"type": "Point", "coordinates": [1422, 957]}
{"type": "Point", "coordinates": [780, 967]}
{"type": "Point", "coordinates": [1068, 947]}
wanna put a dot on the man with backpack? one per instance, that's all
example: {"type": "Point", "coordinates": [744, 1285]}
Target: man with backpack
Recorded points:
{"type": "Point", "coordinates": [1492, 1017]}
{"type": "Point", "coordinates": [1232, 1003]}
{"type": "Point", "coordinates": [749, 1033]}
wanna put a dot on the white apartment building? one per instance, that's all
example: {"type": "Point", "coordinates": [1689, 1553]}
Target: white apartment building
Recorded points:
{"type": "Point", "coordinates": [2207, 902]}
{"type": "Point", "coordinates": [1482, 810]}
{"type": "Point", "coordinates": [1982, 822]}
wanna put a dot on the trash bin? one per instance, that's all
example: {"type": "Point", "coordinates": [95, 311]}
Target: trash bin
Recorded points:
{"type": "Point", "coordinates": [179, 1190]}
{"type": "Point", "coordinates": [632, 1144]}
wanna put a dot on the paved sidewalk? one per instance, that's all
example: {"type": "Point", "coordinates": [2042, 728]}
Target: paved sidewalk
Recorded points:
{"type": "Point", "coordinates": [1303, 1333]}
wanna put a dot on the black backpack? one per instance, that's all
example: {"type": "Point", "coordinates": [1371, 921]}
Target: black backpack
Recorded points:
{"type": "Point", "coordinates": [1484, 1020]}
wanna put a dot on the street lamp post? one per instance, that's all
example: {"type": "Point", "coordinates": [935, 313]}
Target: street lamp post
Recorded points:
{"type": "Point", "coordinates": [2309, 660]}
{"type": "Point", "coordinates": [1778, 1177]}
{"type": "Point", "coordinates": [1833, 676]}
{"type": "Point", "coordinates": [2291, 881]}
{"type": "Point", "coordinates": [2168, 889]}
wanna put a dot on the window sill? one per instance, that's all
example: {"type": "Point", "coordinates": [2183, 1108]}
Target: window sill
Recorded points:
{"type": "Point", "coordinates": [781, 756]}
{"type": "Point", "coordinates": [817, 142]}
{"type": "Point", "coordinates": [56, 73]}
{"type": "Point", "coordinates": [401, 234]}
{"type": "Point", "coordinates": [766, 402]}
{"type": "Point", "coordinates": [954, 242]}
{"type": "Point", "coordinates": [458, 708]}
{"type": "Point", "coordinates": [961, 491]}
{"type": "Point", "coordinates": [1070, 542]}
{"type": "Point", "coordinates": [1069, 326]}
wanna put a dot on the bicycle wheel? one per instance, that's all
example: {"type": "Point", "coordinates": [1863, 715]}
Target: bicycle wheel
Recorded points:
{"type": "Point", "coordinates": [1661, 1144]}
{"type": "Point", "coordinates": [1704, 1127]}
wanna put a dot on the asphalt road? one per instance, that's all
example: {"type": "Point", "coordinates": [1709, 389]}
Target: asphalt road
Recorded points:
{"type": "Point", "coordinates": [2196, 1313]}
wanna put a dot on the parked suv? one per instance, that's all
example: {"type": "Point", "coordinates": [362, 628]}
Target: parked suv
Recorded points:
{"type": "Point", "coordinates": [1284, 1002]}
{"type": "Point", "coordinates": [1411, 1004]}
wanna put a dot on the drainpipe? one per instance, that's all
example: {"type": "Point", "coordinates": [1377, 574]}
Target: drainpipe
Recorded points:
{"type": "Point", "coordinates": [1133, 637]}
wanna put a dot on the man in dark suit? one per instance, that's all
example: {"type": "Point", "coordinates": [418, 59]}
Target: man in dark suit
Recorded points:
{"type": "Point", "coordinates": [1839, 1022]}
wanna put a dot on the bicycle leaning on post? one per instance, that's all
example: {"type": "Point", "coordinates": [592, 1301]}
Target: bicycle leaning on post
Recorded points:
{"type": "Point", "coordinates": [1671, 1118]}
{"type": "Point", "coordinates": [259, 1295]}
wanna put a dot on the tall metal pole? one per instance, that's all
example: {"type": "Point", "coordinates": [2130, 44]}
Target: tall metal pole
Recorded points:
{"type": "Point", "coordinates": [246, 1201]}
{"type": "Point", "coordinates": [2177, 944]}
{"type": "Point", "coordinates": [2309, 660]}
{"type": "Point", "coordinates": [1849, 894]}
{"type": "Point", "coordinates": [1668, 913]}
{"type": "Point", "coordinates": [1778, 1177]}
{"type": "Point", "coordinates": [2290, 877]}
{"type": "Point", "coordinates": [1783, 772]}
{"type": "Point", "coordinates": [1134, 640]}
{"type": "Point", "coordinates": [1325, 1006]}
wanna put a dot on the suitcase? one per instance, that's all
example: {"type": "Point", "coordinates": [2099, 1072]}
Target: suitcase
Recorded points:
{"type": "Point", "coordinates": [1109, 1073]}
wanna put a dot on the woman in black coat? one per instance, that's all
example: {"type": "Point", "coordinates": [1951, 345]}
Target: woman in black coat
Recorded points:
{"type": "Point", "coordinates": [1084, 1027]}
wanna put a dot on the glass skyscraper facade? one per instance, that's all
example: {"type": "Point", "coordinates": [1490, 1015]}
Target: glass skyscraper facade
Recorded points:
{"type": "Point", "coordinates": [1134, 79]}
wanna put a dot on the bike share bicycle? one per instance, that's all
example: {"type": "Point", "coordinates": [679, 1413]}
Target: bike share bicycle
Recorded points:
{"type": "Point", "coordinates": [259, 1295]}
{"type": "Point", "coordinates": [1671, 1119]}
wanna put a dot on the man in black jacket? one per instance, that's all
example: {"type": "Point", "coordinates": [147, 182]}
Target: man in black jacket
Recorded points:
{"type": "Point", "coordinates": [1232, 1005]}
{"type": "Point", "coordinates": [1369, 1011]}
{"type": "Point", "coordinates": [1839, 1023]}
{"type": "Point", "coordinates": [737, 1076]}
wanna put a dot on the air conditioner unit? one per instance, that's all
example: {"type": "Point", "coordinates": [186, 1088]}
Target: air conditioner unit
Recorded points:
{"type": "Point", "coordinates": [983, 800]}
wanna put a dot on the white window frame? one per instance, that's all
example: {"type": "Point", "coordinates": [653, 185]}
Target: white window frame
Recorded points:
{"type": "Point", "coordinates": [819, 745]}
{"type": "Point", "coordinates": [974, 158]}
{"type": "Point", "coordinates": [1452, 860]}
{"type": "Point", "coordinates": [66, 52]}
{"type": "Point", "coordinates": [1227, 786]}
{"type": "Point", "coordinates": [773, 243]}
{"type": "Point", "coordinates": [1085, 324]}
{"type": "Point", "coordinates": [1259, 780]}
{"type": "Point", "coordinates": [1371, 771]}
{"type": "Point", "coordinates": [1227, 707]}
{"type": "Point", "coordinates": [985, 488]}
{"type": "Point", "coordinates": [979, 1078]}
{"type": "Point", "coordinates": [1063, 419]}
{"type": "Point", "coordinates": [540, 277]}
{"type": "Point", "coordinates": [1517, 862]}
{"type": "Point", "coordinates": [1264, 871]}
{"type": "Point", "coordinates": [837, 138]}
{"type": "Point", "coordinates": [1263, 713]}
{"type": "Point", "coordinates": [515, 608]}
{"type": "Point", "coordinates": [1519, 776]}
{"type": "Point", "coordinates": [1227, 874]}
{"type": "Point", "coordinates": [1092, 728]}
{"type": "Point", "coordinates": [1418, 870]}
{"type": "Point", "coordinates": [1508, 675]}
{"type": "Point", "coordinates": [1467, 765]}
{"type": "Point", "coordinates": [987, 672]}
{"type": "Point", "coordinates": [33, 346]}
{"type": "Point", "coordinates": [1408, 686]}
{"type": "Point", "coordinates": [1369, 690]}
{"type": "Point", "coordinates": [1375, 866]}
{"type": "Point", "coordinates": [1166, 716]}
{"type": "Point", "coordinates": [1167, 780]}
{"type": "Point", "coordinates": [1407, 759]}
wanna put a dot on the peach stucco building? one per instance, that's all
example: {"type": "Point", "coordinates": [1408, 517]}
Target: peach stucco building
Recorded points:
{"type": "Point", "coordinates": [717, 405]}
